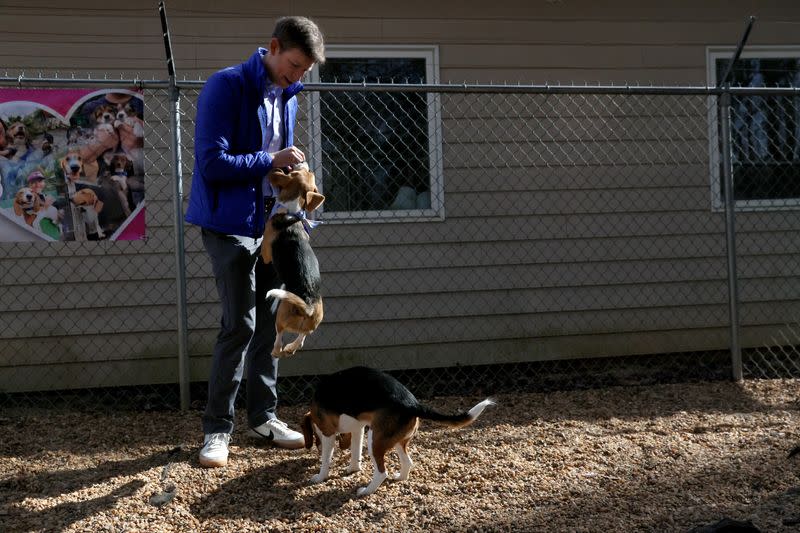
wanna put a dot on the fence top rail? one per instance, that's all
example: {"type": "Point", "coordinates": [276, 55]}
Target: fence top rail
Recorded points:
{"type": "Point", "coordinates": [51, 82]}
{"type": "Point", "coordinates": [550, 89]}
{"type": "Point", "coordinates": [45, 82]}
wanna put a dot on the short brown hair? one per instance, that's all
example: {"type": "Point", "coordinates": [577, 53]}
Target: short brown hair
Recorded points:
{"type": "Point", "coordinates": [302, 33]}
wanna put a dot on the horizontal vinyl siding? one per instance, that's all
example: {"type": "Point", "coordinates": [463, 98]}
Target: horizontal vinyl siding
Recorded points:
{"type": "Point", "coordinates": [520, 41]}
{"type": "Point", "coordinates": [565, 235]}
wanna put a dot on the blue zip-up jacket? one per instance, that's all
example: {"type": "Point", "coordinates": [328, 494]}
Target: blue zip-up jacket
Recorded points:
{"type": "Point", "coordinates": [229, 163]}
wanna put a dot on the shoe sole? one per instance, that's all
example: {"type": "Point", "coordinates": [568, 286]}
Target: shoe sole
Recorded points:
{"type": "Point", "coordinates": [290, 445]}
{"type": "Point", "coordinates": [285, 444]}
{"type": "Point", "coordinates": [213, 463]}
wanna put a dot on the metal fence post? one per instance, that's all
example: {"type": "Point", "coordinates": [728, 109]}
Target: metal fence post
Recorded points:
{"type": "Point", "coordinates": [724, 107]}
{"type": "Point", "coordinates": [177, 173]}
{"type": "Point", "coordinates": [180, 259]}
{"type": "Point", "coordinates": [730, 233]}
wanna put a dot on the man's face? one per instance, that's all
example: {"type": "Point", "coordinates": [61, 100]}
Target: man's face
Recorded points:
{"type": "Point", "coordinates": [286, 66]}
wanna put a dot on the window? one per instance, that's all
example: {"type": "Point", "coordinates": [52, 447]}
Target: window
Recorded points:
{"type": "Point", "coordinates": [379, 152]}
{"type": "Point", "coordinates": [765, 130]}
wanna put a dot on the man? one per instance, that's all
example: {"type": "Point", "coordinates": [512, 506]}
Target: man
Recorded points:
{"type": "Point", "coordinates": [245, 127]}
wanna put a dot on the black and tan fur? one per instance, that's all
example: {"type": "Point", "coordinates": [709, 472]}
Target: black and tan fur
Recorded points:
{"type": "Point", "coordinates": [349, 400]}
{"type": "Point", "coordinates": [287, 245]}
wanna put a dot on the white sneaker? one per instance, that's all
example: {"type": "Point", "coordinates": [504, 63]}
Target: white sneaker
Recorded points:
{"type": "Point", "coordinates": [214, 452]}
{"type": "Point", "coordinates": [279, 434]}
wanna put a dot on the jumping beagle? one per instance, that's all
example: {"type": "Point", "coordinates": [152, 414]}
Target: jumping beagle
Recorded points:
{"type": "Point", "coordinates": [287, 246]}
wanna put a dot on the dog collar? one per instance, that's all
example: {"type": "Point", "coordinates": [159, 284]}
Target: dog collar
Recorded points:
{"type": "Point", "coordinates": [301, 216]}
{"type": "Point", "coordinates": [308, 225]}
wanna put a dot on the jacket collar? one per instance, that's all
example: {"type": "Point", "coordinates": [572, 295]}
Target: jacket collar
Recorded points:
{"type": "Point", "coordinates": [256, 75]}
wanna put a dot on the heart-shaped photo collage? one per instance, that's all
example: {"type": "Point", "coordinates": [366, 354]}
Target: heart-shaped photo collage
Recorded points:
{"type": "Point", "coordinates": [71, 165]}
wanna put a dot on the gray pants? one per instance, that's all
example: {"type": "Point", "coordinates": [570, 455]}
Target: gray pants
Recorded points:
{"type": "Point", "coordinates": [247, 333]}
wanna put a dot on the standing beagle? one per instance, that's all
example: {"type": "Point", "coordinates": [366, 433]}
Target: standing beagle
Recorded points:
{"type": "Point", "coordinates": [349, 400]}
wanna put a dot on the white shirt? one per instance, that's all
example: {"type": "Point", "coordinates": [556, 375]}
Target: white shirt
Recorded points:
{"type": "Point", "coordinates": [271, 115]}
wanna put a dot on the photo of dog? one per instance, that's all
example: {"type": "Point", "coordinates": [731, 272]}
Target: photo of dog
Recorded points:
{"type": "Point", "coordinates": [90, 206]}
{"type": "Point", "coordinates": [104, 114]}
{"type": "Point", "coordinates": [287, 246]}
{"type": "Point", "coordinates": [121, 168]}
{"type": "Point", "coordinates": [350, 400]}
{"type": "Point", "coordinates": [125, 114]}
{"type": "Point", "coordinates": [27, 205]}
{"type": "Point", "coordinates": [18, 143]}
{"type": "Point", "coordinates": [130, 128]}
{"type": "Point", "coordinates": [72, 165]}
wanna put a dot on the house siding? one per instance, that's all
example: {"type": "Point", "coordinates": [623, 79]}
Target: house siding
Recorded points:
{"type": "Point", "coordinates": [576, 256]}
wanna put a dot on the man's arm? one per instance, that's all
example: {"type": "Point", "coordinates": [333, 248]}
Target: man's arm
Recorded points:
{"type": "Point", "coordinates": [217, 109]}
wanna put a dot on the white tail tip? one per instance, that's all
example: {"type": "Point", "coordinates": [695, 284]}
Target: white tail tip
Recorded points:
{"type": "Point", "coordinates": [277, 293]}
{"type": "Point", "coordinates": [476, 411]}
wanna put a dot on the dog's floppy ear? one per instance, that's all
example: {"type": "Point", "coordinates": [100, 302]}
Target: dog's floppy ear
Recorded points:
{"type": "Point", "coordinates": [313, 200]}
{"type": "Point", "coordinates": [17, 209]}
{"type": "Point", "coordinates": [278, 177]}
{"type": "Point", "coordinates": [98, 206]}
{"type": "Point", "coordinates": [308, 430]}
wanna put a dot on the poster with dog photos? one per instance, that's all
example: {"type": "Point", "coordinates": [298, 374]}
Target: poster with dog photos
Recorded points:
{"type": "Point", "coordinates": [71, 165]}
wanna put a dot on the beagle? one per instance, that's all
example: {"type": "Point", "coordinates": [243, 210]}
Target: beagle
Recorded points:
{"type": "Point", "coordinates": [121, 171]}
{"type": "Point", "coordinates": [27, 205]}
{"type": "Point", "coordinates": [126, 116]}
{"type": "Point", "coordinates": [104, 114]}
{"type": "Point", "coordinates": [349, 400]}
{"type": "Point", "coordinates": [121, 168]}
{"type": "Point", "coordinates": [286, 245]}
{"type": "Point", "coordinates": [18, 140]}
{"type": "Point", "coordinates": [298, 304]}
{"type": "Point", "coordinates": [298, 193]}
{"type": "Point", "coordinates": [130, 128]}
{"type": "Point", "coordinates": [72, 165]}
{"type": "Point", "coordinates": [89, 204]}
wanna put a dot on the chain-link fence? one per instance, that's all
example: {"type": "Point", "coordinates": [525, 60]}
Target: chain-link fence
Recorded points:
{"type": "Point", "coordinates": [765, 157]}
{"type": "Point", "coordinates": [478, 239]}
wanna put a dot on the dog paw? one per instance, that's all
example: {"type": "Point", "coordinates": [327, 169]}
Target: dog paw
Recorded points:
{"type": "Point", "coordinates": [318, 478]}
{"type": "Point", "coordinates": [289, 350]}
{"type": "Point", "coordinates": [363, 491]}
{"type": "Point", "coordinates": [352, 470]}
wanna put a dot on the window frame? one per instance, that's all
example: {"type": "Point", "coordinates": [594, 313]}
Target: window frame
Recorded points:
{"type": "Point", "coordinates": [713, 53]}
{"type": "Point", "coordinates": [430, 53]}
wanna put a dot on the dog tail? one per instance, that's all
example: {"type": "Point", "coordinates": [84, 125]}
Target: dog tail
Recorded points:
{"type": "Point", "coordinates": [295, 300]}
{"type": "Point", "coordinates": [459, 420]}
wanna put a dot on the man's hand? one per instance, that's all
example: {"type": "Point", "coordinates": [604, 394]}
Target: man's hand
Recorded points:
{"type": "Point", "coordinates": [287, 157]}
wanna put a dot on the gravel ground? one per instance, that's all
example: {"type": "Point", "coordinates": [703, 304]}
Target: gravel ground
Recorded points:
{"type": "Point", "coordinates": [655, 458]}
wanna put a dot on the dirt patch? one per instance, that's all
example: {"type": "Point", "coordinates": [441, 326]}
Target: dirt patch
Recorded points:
{"type": "Point", "coordinates": [655, 458]}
